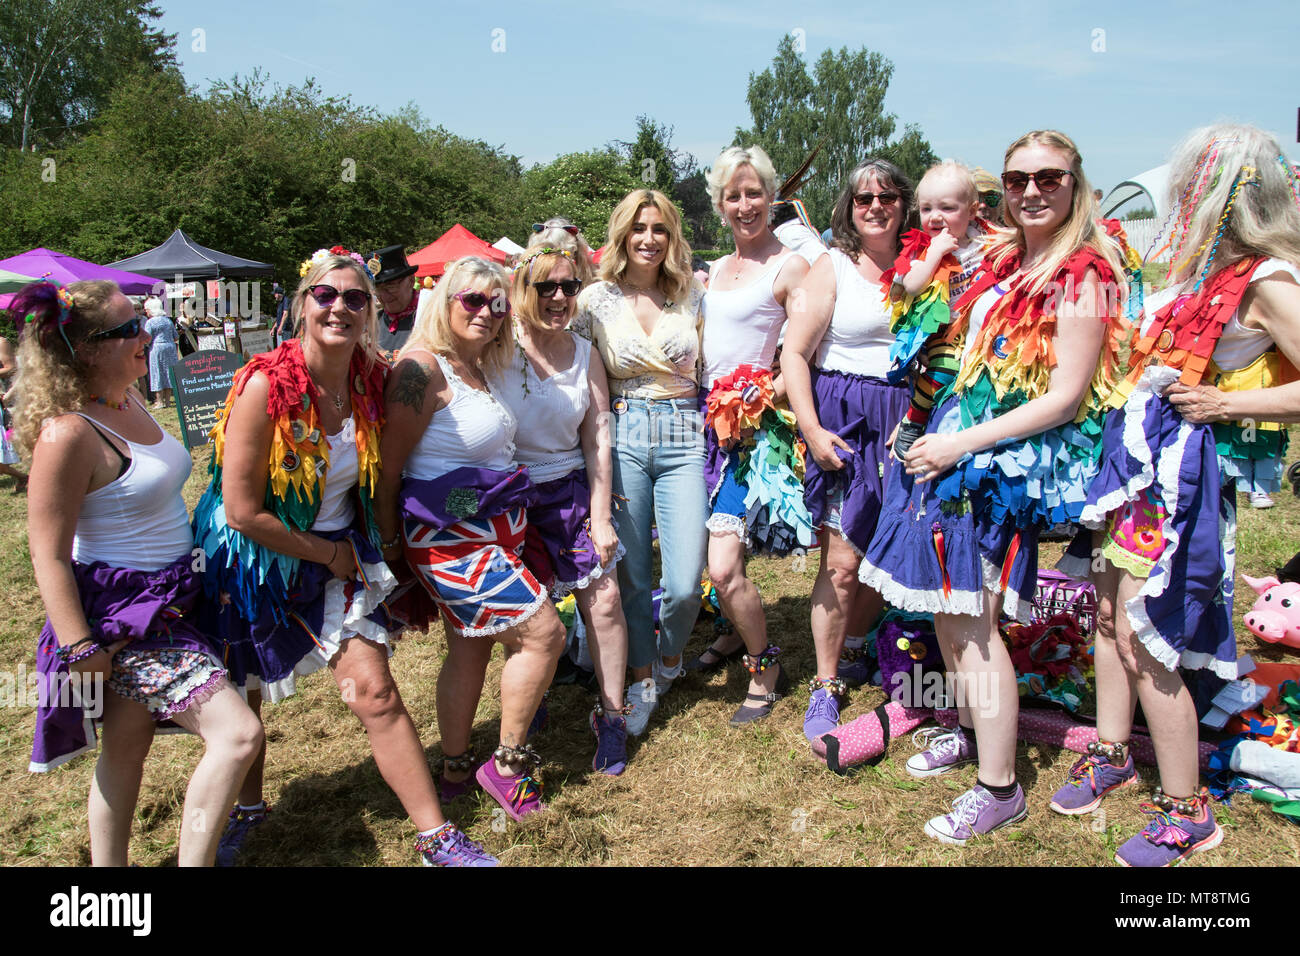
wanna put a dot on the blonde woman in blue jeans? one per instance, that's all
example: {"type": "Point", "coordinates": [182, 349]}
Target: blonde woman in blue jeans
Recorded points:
{"type": "Point", "coordinates": [645, 319]}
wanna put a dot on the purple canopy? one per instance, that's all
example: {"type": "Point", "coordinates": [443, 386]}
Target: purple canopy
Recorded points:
{"type": "Point", "coordinates": [65, 269]}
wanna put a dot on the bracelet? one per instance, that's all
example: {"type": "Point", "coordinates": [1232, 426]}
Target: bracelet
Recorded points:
{"type": "Point", "coordinates": [334, 555]}
{"type": "Point", "coordinates": [69, 654]}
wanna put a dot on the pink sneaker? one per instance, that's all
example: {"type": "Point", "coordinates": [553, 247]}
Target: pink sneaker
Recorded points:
{"type": "Point", "coordinates": [518, 796]}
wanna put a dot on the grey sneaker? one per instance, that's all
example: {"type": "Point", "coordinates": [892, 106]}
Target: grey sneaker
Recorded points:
{"type": "Point", "coordinates": [663, 680]}
{"type": "Point", "coordinates": [945, 750]}
{"type": "Point", "coordinates": [642, 699]}
{"type": "Point", "coordinates": [975, 813]}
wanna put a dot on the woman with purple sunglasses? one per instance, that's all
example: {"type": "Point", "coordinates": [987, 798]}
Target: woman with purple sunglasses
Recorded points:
{"type": "Point", "coordinates": [453, 501]}
{"type": "Point", "coordinates": [292, 548]}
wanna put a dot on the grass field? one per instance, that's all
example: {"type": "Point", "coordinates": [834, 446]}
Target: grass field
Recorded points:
{"type": "Point", "coordinates": [696, 792]}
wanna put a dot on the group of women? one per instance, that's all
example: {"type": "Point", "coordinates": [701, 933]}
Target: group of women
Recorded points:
{"type": "Point", "coordinates": [506, 460]}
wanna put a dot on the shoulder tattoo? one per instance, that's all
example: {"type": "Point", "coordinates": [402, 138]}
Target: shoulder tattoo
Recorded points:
{"type": "Point", "coordinates": [412, 382]}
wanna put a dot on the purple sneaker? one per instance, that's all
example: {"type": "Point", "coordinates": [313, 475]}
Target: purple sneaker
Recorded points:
{"type": "Point", "coordinates": [945, 750]}
{"type": "Point", "coordinates": [822, 715]}
{"type": "Point", "coordinates": [240, 824]}
{"type": "Point", "coordinates": [449, 846]}
{"type": "Point", "coordinates": [518, 796]}
{"type": "Point", "coordinates": [1091, 778]}
{"type": "Point", "coordinates": [611, 742]}
{"type": "Point", "coordinates": [974, 813]}
{"type": "Point", "coordinates": [449, 790]}
{"type": "Point", "coordinates": [1172, 836]}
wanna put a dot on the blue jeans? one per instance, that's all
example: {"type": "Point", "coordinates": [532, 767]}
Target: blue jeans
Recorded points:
{"type": "Point", "coordinates": [659, 470]}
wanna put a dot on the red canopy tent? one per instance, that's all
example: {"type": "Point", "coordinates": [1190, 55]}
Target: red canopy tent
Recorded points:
{"type": "Point", "coordinates": [451, 245]}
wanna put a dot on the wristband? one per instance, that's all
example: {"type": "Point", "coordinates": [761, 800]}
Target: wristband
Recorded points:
{"type": "Point", "coordinates": [72, 653]}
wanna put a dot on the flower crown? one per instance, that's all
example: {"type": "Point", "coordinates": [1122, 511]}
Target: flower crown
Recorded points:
{"type": "Point", "coordinates": [527, 260]}
{"type": "Point", "coordinates": [320, 255]}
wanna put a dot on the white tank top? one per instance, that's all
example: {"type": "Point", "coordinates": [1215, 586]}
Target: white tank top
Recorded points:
{"type": "Point", "coordinates": [549, 412]}
{"type": "Point", "coordinates": [336, 507]}
{"type": "Point", "coordinates": [742, 326]}
{"type": "Point", "coordinates": [1238, 345]}
{"type": "Point", "coordinates": [476, 430]}
{"type": "Point", "coordinates": [138, 520]}
{"type": "Point", "coordinates": [858, 338]}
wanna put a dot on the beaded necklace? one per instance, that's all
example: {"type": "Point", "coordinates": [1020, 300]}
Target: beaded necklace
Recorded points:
{"type": "Point", "coordinates": [120, 406]}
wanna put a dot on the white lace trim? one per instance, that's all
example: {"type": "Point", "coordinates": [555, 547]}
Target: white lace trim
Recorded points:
{"type": "Point", "coordinates": [1154, 381]}
{"type": "Point", "coordinates": [1161, 576]}
{"type": "Point", "coordinates": [918, 600]}
{"type": "Point", "coordinates": [339, 625]}
{"type": "Point", "coordinates": [728, 524]}
{"type": "Point", "coordinates": [1075, 566]}
{"type": "Point", "coordinates": [492, 629]}
{"type": "Point", "coordinates": [1013, 605]}
{"type": "Point", "coordinates": [561, 588]}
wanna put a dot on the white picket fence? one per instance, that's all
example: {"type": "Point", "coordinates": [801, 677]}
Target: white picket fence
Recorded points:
{"type": "Point", "coordinates": [1141, 233]}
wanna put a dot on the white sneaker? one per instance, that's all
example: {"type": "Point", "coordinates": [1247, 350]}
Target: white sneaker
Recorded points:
{"type": "Point", "coordinates": [642, 699]}
{"type": "Point", "coordinates": [1261, 499]}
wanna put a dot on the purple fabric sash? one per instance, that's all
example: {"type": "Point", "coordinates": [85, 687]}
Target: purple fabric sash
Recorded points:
{"type": "Point", "coordinates": [151, 609]}
{"type": "Point", "coordinates": [464, 493]}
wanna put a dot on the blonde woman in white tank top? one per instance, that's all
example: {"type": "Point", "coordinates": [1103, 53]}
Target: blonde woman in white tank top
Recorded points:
{"type": "Point", "coordinates": [122, 609]}
{"type": "Point", "coordinates": [763, 275]}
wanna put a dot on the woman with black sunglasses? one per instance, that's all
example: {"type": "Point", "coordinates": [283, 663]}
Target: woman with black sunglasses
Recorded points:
{"type": "Point", "coordinates": [556, 386]}
{"type": "Point", "coordinates": [112, 551]}
{"type": "Point", "coordinates": [1008, 452]}
{"type": "Point", "coordinates": [292, 549]}
{"type": "Point", "coordinates": [835, 360]}
{"type": "Point", "coordinates": [453, 501]}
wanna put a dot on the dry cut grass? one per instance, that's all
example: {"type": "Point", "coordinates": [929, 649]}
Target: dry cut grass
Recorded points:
{"type": "Point", "coordinates": [696, 793]}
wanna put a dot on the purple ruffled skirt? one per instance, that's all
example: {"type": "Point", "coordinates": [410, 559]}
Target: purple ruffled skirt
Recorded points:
{"type": "Point", "coordinates": [154, 610]}
{"type": "Point", "coordinates": [559, 513]}
{"type": "Point", "coordinates": [863, 411]}
{"type": "Point", "coordinates": [928, 555]}
{"type": "Point", "coordinates": [1183, 613]}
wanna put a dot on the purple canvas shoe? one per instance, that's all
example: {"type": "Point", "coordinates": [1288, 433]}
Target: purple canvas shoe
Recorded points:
{"type": "Point", "coordinates": [1091, 778]}
{"type": "Point", "coordinates": [611, 742]}
{"type": "Point", "coordinates": [855, 666]}
{"type": "Point", "coordinates": [823, 713]}
{"type": "Point", "coordinates": [240, 824]}
{"type": "Point", "coordinates": [518, 795]}
{"type": "Point", "coordinates": [975, 813]}
{"type": "Point", "coordinates": [1172, 835]}
{"type": "Point", "coordinates": [945, 750]}
{"type": "Point", "coordinates": [449, 846]}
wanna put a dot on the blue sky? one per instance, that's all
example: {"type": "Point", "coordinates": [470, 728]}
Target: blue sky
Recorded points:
{"type": "Point", "coordinates": [1125, 80]}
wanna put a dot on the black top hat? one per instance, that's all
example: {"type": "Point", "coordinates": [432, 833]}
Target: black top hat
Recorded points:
{"type": "Point", "coordinates": [392, 264]}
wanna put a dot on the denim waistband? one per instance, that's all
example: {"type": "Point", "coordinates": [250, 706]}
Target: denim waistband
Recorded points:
{"type": "Point", "coordinates": [688, 403]}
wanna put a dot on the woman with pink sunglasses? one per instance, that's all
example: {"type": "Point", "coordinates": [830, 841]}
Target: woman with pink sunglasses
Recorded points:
{"type": "Point", "coordinates": [453, 502]}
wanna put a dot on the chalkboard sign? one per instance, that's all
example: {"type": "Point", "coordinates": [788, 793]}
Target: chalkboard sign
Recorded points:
{"type": "Point", "coordinates": [202, 382]}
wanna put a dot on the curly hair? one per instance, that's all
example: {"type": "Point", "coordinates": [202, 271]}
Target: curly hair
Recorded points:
{"type": "Point", "coordinates": [54, 358]}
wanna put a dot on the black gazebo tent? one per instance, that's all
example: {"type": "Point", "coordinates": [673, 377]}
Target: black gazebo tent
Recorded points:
{"type": "Point", "coordinates": [181, 255]}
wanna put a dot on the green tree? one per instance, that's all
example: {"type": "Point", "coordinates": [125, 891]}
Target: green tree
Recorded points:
{"type": "Point", "coordinates": [585, 187]}
{"type": "Point", "coordinates": [841, 103]}
{"type": "Point", "coordinates": [61, 59]}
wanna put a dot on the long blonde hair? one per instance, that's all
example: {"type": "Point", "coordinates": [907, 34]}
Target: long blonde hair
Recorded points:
{"type": "Point", "coordinates": [1206, 168]}
{"type": "Point", "coordinates": [432, 329]}
{"type": "Point", "coordinates": [675, 273]}
{"type": "Point", "coordinates": [1079, 229]}
{"type": "Point", "coordinates": [55, 355]}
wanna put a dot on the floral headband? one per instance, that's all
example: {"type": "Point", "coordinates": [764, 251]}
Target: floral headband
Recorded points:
{"type": "Point", "coordinates": [320, 255]}
{"type": "Point", "coordinates": [544, 251]}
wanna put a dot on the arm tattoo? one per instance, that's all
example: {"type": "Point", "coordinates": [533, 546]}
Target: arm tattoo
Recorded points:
{"type": "Point", "coordinates": [412, 382]}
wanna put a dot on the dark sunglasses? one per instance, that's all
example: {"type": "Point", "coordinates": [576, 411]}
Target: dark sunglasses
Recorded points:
{"type": "Point", "coordinates": [991, 199]}
{"type": "Point", "coordinates": [1047, 180]}
{"type": "Point", "coordinates": [546, 289]}
{"type": "Point", "coordinates": [127, 330]}
{"type": "Point", "coordinates": [498, 306]}
{"type": "Point", "coordinates": [354, 299]}
{"type": "Point", "coordinates": [864, 199]}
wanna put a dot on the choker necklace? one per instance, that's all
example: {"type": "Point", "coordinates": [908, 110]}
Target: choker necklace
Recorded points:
{"type": "Point", "coordinates": [120, 406]}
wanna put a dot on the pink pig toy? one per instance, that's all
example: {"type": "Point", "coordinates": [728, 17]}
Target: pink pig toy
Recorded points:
{"type": "Point", "coordinates": [1276, 615]}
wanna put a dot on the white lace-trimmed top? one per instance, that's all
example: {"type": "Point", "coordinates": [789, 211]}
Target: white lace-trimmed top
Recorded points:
{"type": "Point", "coordinates": [138, 520]}
{"type": "Point", "coordinates": [661, 365]}
{"type": "Point", "coordinates": [858, 338]}
{"type": "Point", "coordinates": [475, 430]}
{"type": "Point", "coordinates": [549, 412]}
